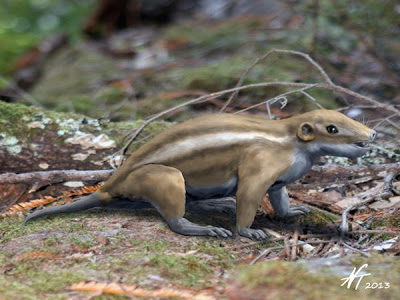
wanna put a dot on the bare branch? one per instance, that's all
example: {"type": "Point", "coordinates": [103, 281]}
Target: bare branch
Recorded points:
{"type": "Point", "coordinates": [266, 55]}
{"type": "Point", "coordinates": [312, 99]}
{"type": "Point", "coordinates": [272, 100]}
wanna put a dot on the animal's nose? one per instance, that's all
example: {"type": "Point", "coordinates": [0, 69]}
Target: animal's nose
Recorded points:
{"type": "Point", "coordinates": [372, 135]}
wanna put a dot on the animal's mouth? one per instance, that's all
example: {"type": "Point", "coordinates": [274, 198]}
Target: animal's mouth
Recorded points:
{"type": "Point", "coordinates": [362, 144]}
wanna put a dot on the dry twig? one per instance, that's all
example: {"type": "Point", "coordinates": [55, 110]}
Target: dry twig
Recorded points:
{"type": "Point", "coordinates": [294, 242]}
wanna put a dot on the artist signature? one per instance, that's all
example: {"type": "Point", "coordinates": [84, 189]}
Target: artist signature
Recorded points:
{"type": "Point", "coordinates": [356, 277]}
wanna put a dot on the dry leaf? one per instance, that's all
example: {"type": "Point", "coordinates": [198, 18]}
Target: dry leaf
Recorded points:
{"type": "Point", "coordinates": [120, 289]}
{"type": "Point", "coordinates": [31, 204]}
{"type": "Point", "coordinates": [382, 204]}
{"type": "Point", "coordinates": [37, 254]}
{"type": "Point", "coordinates": [267, 207]}
{"type": "Point", "coordinates": [346, 202]}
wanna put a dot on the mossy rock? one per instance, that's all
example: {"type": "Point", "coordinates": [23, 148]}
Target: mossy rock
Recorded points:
{"type": "Point", "coordinates": [41, 135]}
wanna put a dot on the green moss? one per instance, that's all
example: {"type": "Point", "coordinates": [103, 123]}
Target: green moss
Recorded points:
{"type": "Point", "coordinates": [73, 72]}
{"type": "Point", "coordinates": [295, 282]}
{"type": "Point", "coordinates": [24, 23]}
{"type": "Point", "coordinates": [82, 240]}
{"type": "Point", "coordinates": [111, 95]}
{"type": "Point", "coordinates": [13, 227]}
{"type": "Point", "coordinates": [386, 221]}
{"type": "Point", "coordinates": [190, 270]}
{"type": "Point", "coordinates": [21, 116]}
{"type": "Point", "coordinates": [319, 219]}
{"type": "Point", "coordinates": [36, 278]}
{"type": "Point", "coordinates": [208, 38]}
{"type": "Point", "coordinates": [118, 131]}
{"type": "Point", "coordinates": [57, 127]}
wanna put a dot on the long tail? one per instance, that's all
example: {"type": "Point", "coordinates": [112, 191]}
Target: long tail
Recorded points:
{"type": "Point", "coordinates": [86, 203]}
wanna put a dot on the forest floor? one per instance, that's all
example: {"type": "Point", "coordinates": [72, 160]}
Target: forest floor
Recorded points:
{"type": "Point", "coordinates": [91, 89]}
{"type": "Point", "coordinates": [44, 259]}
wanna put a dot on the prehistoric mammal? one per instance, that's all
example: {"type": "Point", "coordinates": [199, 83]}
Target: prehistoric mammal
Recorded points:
{"type": "Point", "coordinates": [221, 155]}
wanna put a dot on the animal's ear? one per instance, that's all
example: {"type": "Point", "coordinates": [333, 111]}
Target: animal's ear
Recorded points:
{"type": "Point", "coordinates": [306, 132]}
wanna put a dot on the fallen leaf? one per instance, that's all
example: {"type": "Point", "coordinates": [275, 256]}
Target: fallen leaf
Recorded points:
{"type": "Point", "coordinates": [73, 183]}
{"type": "Point", "coordinates": [37, 254]}
{"type": "Point", "coordinates": [382, 204]}
{"type": "Point", "coordinates": [386, 245]}
{"type": "Point", "coordinates": [121, 289]}
{"type": "Point", "coordinates": [346, 202]}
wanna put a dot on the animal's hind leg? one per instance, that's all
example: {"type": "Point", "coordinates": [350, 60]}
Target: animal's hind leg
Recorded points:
{"type": "Point", "coordinates": [164, 187]}
{"type": "Point", "coordinates": [223, 205]}
{"type": "Point", "coordinates": [128, 205]}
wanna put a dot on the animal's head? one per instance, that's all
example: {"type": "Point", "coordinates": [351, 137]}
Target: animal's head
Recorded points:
{"type": "Point", "coordinates": [329, 132]}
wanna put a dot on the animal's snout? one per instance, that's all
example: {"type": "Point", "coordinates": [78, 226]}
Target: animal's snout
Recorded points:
{"type": "Point", "coordinates": [372, 135]}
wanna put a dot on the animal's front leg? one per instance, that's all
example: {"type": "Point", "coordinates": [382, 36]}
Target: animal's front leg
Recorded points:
{"type": "Point", "coordinates": [258, 170]}
{"type": "Point", "coordinates": [280, 202]}
{"type": "Point", "coordinates": [249, 198]}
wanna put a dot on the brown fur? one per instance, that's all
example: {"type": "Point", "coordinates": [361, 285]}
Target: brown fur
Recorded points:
{"type": "Point", "coordinates": [257, 163]}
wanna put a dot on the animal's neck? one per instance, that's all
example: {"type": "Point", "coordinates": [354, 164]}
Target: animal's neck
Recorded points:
{"type": "Point", "coordinates": [313, 151]}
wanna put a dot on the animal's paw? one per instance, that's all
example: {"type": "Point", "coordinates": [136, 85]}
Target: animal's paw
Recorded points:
{"type": "Point", "coordinates": [218, 231]}
{"type": "Point", "coordinates": [254, 234]}
{"type": "Point", "coordinates": [297, 211]}
{"type": "Point", "coordinates": [185, 227]}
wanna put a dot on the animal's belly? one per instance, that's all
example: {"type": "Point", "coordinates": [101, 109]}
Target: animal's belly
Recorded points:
{"type": "Point", "coordinates": [212, 191]}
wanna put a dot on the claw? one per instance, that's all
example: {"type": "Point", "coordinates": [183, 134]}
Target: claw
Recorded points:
{"type": "Point", "coordinates": [301, 208]}
{"type": "Point", "coordinates": [297, 211]}
{"type": "Point", "coordinates": [185, 227]}
{"type": "Point", "coordinates": [254, 234]}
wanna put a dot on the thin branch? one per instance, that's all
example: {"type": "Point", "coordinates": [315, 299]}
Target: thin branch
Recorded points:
{"type": "Point", "coordinates": [343, 226]}
{"type": "Point", "coordinates": [266, 55]}
{"type": "Point", "coordinates": [312, 99]}
{"type": "Point", "coordinates": [357, 250]}
{"type": "Point", "coordinates": [273, 100]}
{"type": "Point", "coordinates": [293, 255]}
{"type": "Point", "coordinates": [266, 251]}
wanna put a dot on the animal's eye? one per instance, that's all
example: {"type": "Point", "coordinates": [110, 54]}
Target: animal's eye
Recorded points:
{"type": "Point", "coordinates": [332, 129]}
